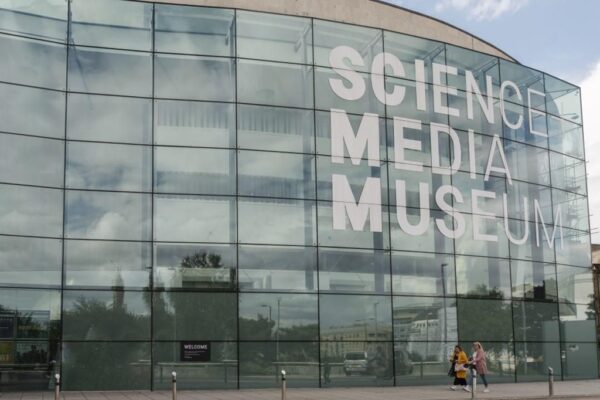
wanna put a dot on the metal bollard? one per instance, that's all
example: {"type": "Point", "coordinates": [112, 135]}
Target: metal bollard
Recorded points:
{"type": "Point", "coordinates": [550, 382]}
{"type": "Point", "coordinates": [283, 385]}
{"type": "Point", "coordinates": [174, 384]}
{"type": "Point", "coordinates": [474, 386]}
{"type": "Point", "coordinates": [57, 387]}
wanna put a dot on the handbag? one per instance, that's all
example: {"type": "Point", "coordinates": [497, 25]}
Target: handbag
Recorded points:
{"type": "Point", "coordinates": [451, 371]}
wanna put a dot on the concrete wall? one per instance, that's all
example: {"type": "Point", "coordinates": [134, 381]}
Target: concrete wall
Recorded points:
{"type": "Point", "coordinates": [361, 12]}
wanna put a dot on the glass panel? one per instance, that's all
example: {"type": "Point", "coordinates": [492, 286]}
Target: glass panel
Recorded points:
{"type": "Point", "coordinates": [362, 237]}
{"type": "Point", "coordinates": [535, 322]}
{"type": "Point", "coordinates": [323, 127]}
{"type": "Point", "coordinates": [116, 24]}
{"type": "Point", "coordinates": [568, 173]}
{"type": "Point", "coordinates": [107, 264]}
{"type": "Point", "coordinates": [479, 64]}
{"type": "Point", "coordinates": [276, 84]}
{"type": "Point", "coordinates": [194, 30]}
{"type": "Point", "coordinates": [411, 156]}
{"type": "Point", "coordinates": [527, 163]}
{"type": "Point", "coordinates": [289, 221]}
{"type": "Point", "coordinates": [424, 319]}
{"type": "Point", "coordinates": [485, 320]}
{"type": "Point", "coordinates": [432, 240]}
{"type": "Point", "coordinates": [276, 129]}
{"type": "Point", "coordinates": [195, 316]}
{"type": "Point", "coordinates": [409, 48]}
{"type": "Point", "coordinates": [110, 71]}
{"type": "Point", "coordinates": [194, 78]}
{"type": "Point", "coordinates": [328, 35]}
{"type": "Point", "coordinates": [360, 271]}
{"type": "Point", "coordinates": [490, 226]}
{"type": "Point", "coordinates": [30, 261]}
{"type": "Point", "coordinates": [579, 360]}
{"type": "Point", "coordinates": [33, 62]}
{"type": "Point", "coordinates": [194, 171]}
{"type": "Point", "coordinates": [17, 103]}
{"type": "Point", "coordinates": [106, 365]}
{"type": "Point", "coordinates": [103, 215]}
{"type": "Point", "coordinates": [187, 123]}
{"type": "Point", "coordinates": [106, 315]}
{"type": "Point", "coordinates": [409, 108]}
{"type": "Point", "coordinates": [574, 209]}
{"type": "Point", "coordinates": [578, 321]}
{"type": "Point", "coordinates": [479, 121]}
{"type": "Point", "coordinates": [533, 281]}
{"type": "Point", "coordinates": [274, 37]}
{"type": "Point", "coordinates": [108, 166]}
{"type": "Point", "coordinates": [43, 19]}
{"type": "Point", "coordinates": [519, 191]}
{"type": "Point", "coordinates": [347, 364]}
{"type": "Point", "coordinates": [277, 268]}
{"type": "Point", "coordinates": [31, 211]}
{"type": "Point", "coordinates": [534, 359]}
{"type": "Point", "coordinates": [575, 285]}
{"type": "Point", "coordinates": [194, 266]}
{"type": "Point", "coordinates": [270, 316]}
{"type": "Point", "coordinates": [109, 118]}
{"type": "Point", "coordinates": [425, 274]}
{"type": "Point", "coordinates": [355, 175]}
{"type": "Point", "coordinates": [466, 184]}
{"type": "Point", "coordinates": [30, 160]}
{"type": "Point", "coordinates": [422, 363]}
{"type": "Point", "coordinates": [194, 219]}
{"type": "Point", "coordinates": [563, 99]}
{"type": "Point", "coordinates": [30, 333]}
{"type": "Point", "coordinates": [355, 317]}
{"type": "Point", "coordinates": [261, 363]}
{"type": "Point", "coordinates": [218, 373]}
{"type": "Point", "coordinates": [483, 277]}
{"type": "Point", "coordinates": [294, 176]}
{"type": "Point", "coordinates": [531, 249]}
{"type": "Point", "coordinates": [573, 248]}
{"type": "Point", "coordinates": [565, 137]}
{"type": "Point", "coordinates": [327, 99]}
{"type": "Point", "coordinates": [524, 78]}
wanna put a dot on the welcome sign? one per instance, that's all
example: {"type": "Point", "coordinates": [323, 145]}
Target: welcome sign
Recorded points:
{"type": "Point", "coordinates": [350, 86]}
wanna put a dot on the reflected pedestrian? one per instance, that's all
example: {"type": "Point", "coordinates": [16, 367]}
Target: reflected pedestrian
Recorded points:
{"type": "Point", "coordinates": [459, 362]}
{"type": "Point", "coordinates": [478, 363]}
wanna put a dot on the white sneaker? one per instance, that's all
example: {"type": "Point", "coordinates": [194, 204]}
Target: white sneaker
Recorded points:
{"type": "Point", "coordinates": [467, 389]}
{"type": "Point", "coordinates": [452, 387]}
{"type": "Point", "coordinates": [486, 390]}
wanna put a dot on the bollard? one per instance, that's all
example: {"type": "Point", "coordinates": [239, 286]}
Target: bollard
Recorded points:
{"type": "Point", "coordinates": [57, 387]}
{"type": "Point", "coordinates": [474, 384]}
{"type": "Point", "coordinates": [174, 384]}
{"type": "Point", "coordinates": [550, 382]}
{"type": "Point", "coordinates": [283, 385]}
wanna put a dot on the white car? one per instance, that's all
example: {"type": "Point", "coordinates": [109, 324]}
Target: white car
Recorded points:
{"type": "Point", "coordinates": [356, 362]}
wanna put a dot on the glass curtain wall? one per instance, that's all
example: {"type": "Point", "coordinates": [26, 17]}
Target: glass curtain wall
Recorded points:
{"type": "Point", "coordinates": [165, 178]}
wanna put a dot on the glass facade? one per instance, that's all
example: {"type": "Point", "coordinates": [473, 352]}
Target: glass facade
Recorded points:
{"type": "Point", "coordinates": [167, 178]}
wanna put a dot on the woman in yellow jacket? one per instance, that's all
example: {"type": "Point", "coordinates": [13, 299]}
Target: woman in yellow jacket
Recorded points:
{"type": "Point", "coordinates": [459, 359]}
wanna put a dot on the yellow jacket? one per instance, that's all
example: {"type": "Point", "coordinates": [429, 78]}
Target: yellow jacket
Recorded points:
{"type": "Point", "coordinates": [461, 361]}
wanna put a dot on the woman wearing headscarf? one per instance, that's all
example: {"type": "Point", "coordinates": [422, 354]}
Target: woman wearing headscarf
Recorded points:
{"type": "Point", "coordinates": [459, 362]}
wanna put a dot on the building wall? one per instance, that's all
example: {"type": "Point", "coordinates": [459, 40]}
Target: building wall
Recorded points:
{"type": "Point", "coordinates": [166, 177]}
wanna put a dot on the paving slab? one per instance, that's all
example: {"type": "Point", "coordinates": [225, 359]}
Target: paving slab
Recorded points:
{"type": "Point", "coordinates": [573, 390]}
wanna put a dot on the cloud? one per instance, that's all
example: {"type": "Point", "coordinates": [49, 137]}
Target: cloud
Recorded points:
{"type": "Point", "coordinates": [590, 93]}
{"type": "Point", "coordinates": [481, 10]}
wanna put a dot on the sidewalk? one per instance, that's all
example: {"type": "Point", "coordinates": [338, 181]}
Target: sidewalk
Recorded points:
{"type": "Point", "coordinates": [589, 389]}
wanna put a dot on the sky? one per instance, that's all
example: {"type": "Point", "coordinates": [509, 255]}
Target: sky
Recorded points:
{"type": "Point", "coordinates": [560, 37]}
